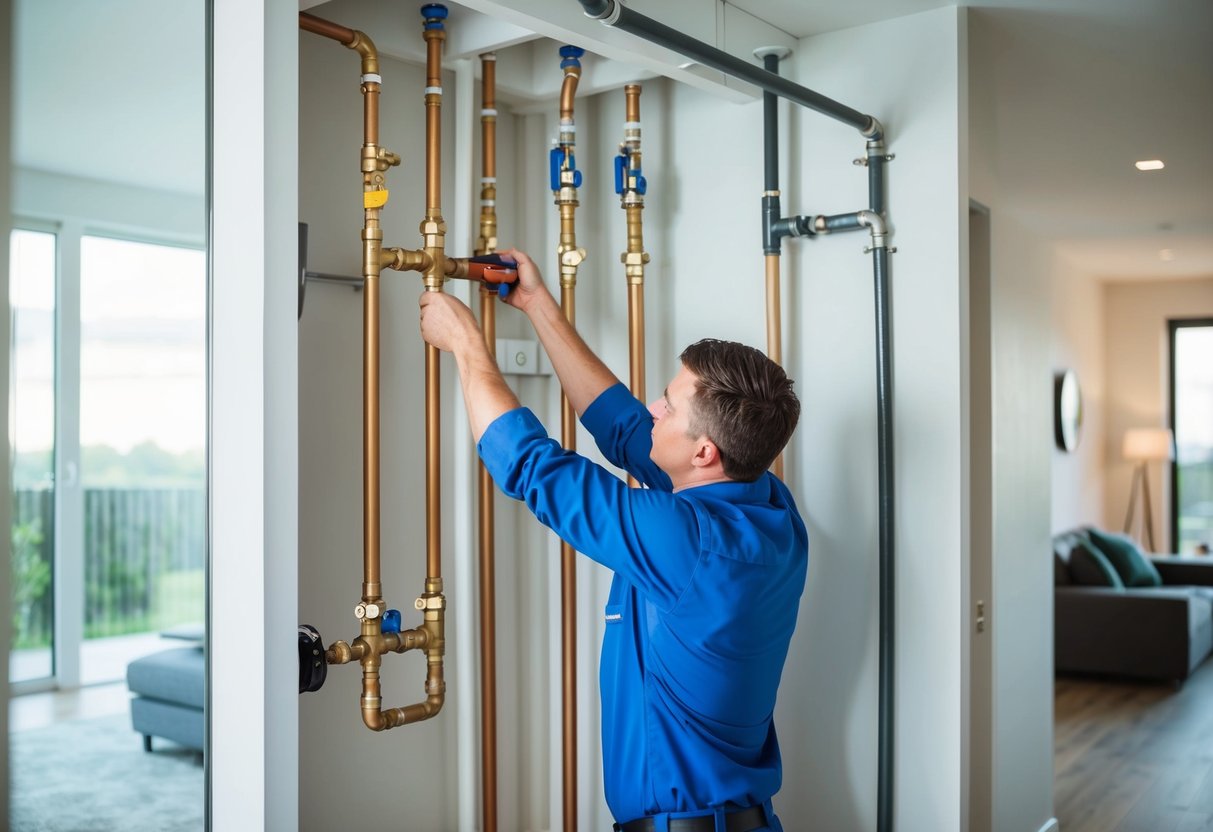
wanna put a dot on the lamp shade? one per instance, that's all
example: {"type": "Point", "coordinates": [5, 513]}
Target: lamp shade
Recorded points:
{"type": "Point", "coordinates": [1145, 444]}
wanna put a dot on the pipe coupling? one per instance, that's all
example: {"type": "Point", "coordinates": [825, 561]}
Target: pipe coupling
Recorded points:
{"type": "Point", "coordinates": [876, 224]}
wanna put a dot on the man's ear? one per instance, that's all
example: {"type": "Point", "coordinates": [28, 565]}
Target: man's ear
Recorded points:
{"type": "Point", "coordinates": [706, 453]}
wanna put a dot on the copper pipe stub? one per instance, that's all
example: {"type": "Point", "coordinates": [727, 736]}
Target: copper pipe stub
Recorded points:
{"type": "Point", "coordinates": [774, 333]}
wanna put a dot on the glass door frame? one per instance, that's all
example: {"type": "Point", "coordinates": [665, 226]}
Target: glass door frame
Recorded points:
{"type": "Point", "coordinates": [1173, 327]}
{"type": "Point", "coordinates": [65, 639]}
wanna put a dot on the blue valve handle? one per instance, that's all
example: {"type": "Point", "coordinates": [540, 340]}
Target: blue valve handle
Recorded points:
{"type": "Point", "coordinates": [556, 165]}
{"type": "Point", "coordinates": [621, 167]}
{"type": "Point", "coordinates": [390, 622]}
{"type": "Point", "coordinates": [434, 14]}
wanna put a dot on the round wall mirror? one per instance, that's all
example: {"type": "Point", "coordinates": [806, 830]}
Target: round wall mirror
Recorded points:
{"type": "Point", "coordinates": [1067, 410]}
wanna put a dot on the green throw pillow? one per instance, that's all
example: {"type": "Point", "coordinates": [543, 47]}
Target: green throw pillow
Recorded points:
{"type": "Point", "coordinates": [1134, 568]}
{"type": "Point", "coordinates": [1089, 567]}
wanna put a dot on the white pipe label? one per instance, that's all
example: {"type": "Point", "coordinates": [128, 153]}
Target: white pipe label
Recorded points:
{"type": "Point", "coordinates": [433, 90]}
{"type": "Point", "coordinates": [372, 79]}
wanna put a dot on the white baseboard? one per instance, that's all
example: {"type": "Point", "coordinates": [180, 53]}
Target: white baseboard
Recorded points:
{"type": "Point", "coordinates": [1051, 826]}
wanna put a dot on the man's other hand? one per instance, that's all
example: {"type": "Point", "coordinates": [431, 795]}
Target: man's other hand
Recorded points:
{"type": "Point", "coordinates": [447, 323]}
{"type": "Point", "coordinates": [530, 281]}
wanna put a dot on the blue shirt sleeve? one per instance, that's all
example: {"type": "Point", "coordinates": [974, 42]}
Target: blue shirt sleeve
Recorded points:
{"type": "Point", "coordinates": [622, 427]}
{"type": "Point", "coordinates": [650, 538]}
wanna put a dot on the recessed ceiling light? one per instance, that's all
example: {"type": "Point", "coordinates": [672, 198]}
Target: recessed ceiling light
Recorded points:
{"type": "Point", "coordinates": [1150, 164]}
{"type": "Point", "coordinates": [1166, 255]}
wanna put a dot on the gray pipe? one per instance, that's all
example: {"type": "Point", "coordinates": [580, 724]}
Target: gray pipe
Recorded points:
{"type": "Point", "coordinates": [612, 13]}
{"type": "Point", "coordinates": [884, 430]}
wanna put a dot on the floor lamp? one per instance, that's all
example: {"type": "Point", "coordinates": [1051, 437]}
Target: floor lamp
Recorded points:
{"type": "Point", "coordinates": [1143, 446]}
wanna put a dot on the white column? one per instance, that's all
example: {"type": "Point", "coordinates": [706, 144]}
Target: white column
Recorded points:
{"type": "Point", "coordinates": [5, 338]}
{"type": "Point", "coordinates": [69, 496]}
{"type": "Point", "coordinates": [253, 758]}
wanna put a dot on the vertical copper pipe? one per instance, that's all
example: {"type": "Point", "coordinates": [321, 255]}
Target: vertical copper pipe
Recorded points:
{"type": "Point", "coordinates": [564, 188]}
{"type": "Point", "coordinates": [631, 187]}
{"type": "Point", "coordinates": [568, 613]}
{"type": "Point", "coordinates": [488, 577]}
{"type": "Point", "coordinates": [774, 335]}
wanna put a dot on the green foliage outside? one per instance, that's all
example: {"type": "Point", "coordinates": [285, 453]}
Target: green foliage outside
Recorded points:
{"type": "Point", "coordinates": [177, 599]}
{"type": "Point", "coordinates": [31, 581]}
{"type": "Point", "coordinates": [146, 465]}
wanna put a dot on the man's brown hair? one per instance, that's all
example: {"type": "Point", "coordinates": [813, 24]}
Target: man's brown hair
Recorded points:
{"type": "Point", "coordinates": [743, 402]}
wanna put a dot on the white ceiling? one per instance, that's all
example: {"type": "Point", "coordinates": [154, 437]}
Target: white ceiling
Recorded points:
{"type": "Point", "coordinates": [112, 90]}
{"type": "Point", "coordinates": [1081, 89]}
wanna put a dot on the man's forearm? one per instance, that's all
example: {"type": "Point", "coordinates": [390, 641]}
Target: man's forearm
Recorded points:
{"type": "Point", "coordinates": [582, 374]}
{"type": "Point", "coordinates": [485, 392]}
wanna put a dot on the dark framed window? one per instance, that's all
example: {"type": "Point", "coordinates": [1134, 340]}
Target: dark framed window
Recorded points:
{"type": "Point", "coordinates": [1191, 415]}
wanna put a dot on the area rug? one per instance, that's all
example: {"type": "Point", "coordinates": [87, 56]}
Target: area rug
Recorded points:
{"type": "Point", "coordinates": [92, 775]}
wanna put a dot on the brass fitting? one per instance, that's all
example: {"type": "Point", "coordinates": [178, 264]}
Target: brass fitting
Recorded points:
{"type": "Point", "coordinates": [404, 259]}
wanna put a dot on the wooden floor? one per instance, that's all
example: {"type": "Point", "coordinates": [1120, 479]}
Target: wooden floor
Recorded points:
{"type": "Point", "coordinates": [38, 710]}
{"type": "Point", "coordinates": [1131, 757]}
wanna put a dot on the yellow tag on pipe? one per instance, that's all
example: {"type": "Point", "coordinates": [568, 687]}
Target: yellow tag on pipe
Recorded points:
{"type": "Point", "coordinates": [374, 199]}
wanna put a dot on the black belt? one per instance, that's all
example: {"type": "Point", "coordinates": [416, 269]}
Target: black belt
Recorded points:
{"type": "Point", "coordinates": [741, 820]}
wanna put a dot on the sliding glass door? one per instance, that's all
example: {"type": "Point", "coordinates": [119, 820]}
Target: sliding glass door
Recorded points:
{"type": "Point", "coordinates": [122, 385]}
{"type": "Point", "coordinates": [1192, 422]}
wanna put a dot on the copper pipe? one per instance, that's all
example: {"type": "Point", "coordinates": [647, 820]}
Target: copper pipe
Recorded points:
{"type": "Point", "coordinates": [487, 244]}
{"type": "Point", "coordinates": [371, 591]}
{"type": "Point", "coordinates": [774, 336]}
{"type": "Point", "coordinates": [568, 610]}
{"type": "Point", "coordinates": [568, 89]}
{"type": "Point", "coordinates": [565, 192]}
{"type": "Point", "coordinates": [634, 258]}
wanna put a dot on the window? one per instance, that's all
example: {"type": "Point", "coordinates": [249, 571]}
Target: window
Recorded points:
{"type": "Point", "coordinates": [1192, 422]}
{"type": "Point", "coordinates": [142, 446]}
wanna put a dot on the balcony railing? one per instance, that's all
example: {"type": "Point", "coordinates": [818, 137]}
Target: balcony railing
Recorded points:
{"type": "Point", "coordinates": [144, 561]}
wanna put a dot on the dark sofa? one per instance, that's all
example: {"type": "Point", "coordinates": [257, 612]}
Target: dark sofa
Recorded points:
{"type": "Point", "coordinates": [1149, 632]}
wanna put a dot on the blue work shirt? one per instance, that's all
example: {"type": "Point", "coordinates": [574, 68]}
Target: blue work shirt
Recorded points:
{"type": "Point", "coordinates": [701, 610]}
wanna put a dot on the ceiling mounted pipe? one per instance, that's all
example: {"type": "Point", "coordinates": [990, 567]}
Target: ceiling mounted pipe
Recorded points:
{"type": "Point", "coordinates": [615, 14]}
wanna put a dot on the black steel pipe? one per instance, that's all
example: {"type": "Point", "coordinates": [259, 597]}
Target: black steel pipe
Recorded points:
{"type": "Point", "coordinates": [612, 13]}
{"type": "Point", "coordinates": [876, 163]}
{"type": "Point", "coordinates": [884, 430]}
{"type": "Point", "coordinates": [770, 129]}
{"type": "Point", "coordinates": [838, 222]}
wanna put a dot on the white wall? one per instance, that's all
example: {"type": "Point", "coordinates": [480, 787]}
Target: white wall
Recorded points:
{"type": "Point", "coordinates": [701, 226]}
{"type": "Point", "coordinates": [1019, 613]}
{"type": "Point", "coordinates": [1136, 352]}
{"type": "Point", "coordinates": [1078, 344]}
{"type": "Point", "coordinates": [909, 73]}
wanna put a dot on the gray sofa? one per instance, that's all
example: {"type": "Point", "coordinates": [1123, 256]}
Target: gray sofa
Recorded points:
{"type": "Point", "coordinates": [1159, 632]}
{"type": "Point", "coordinates": [169, 694]}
